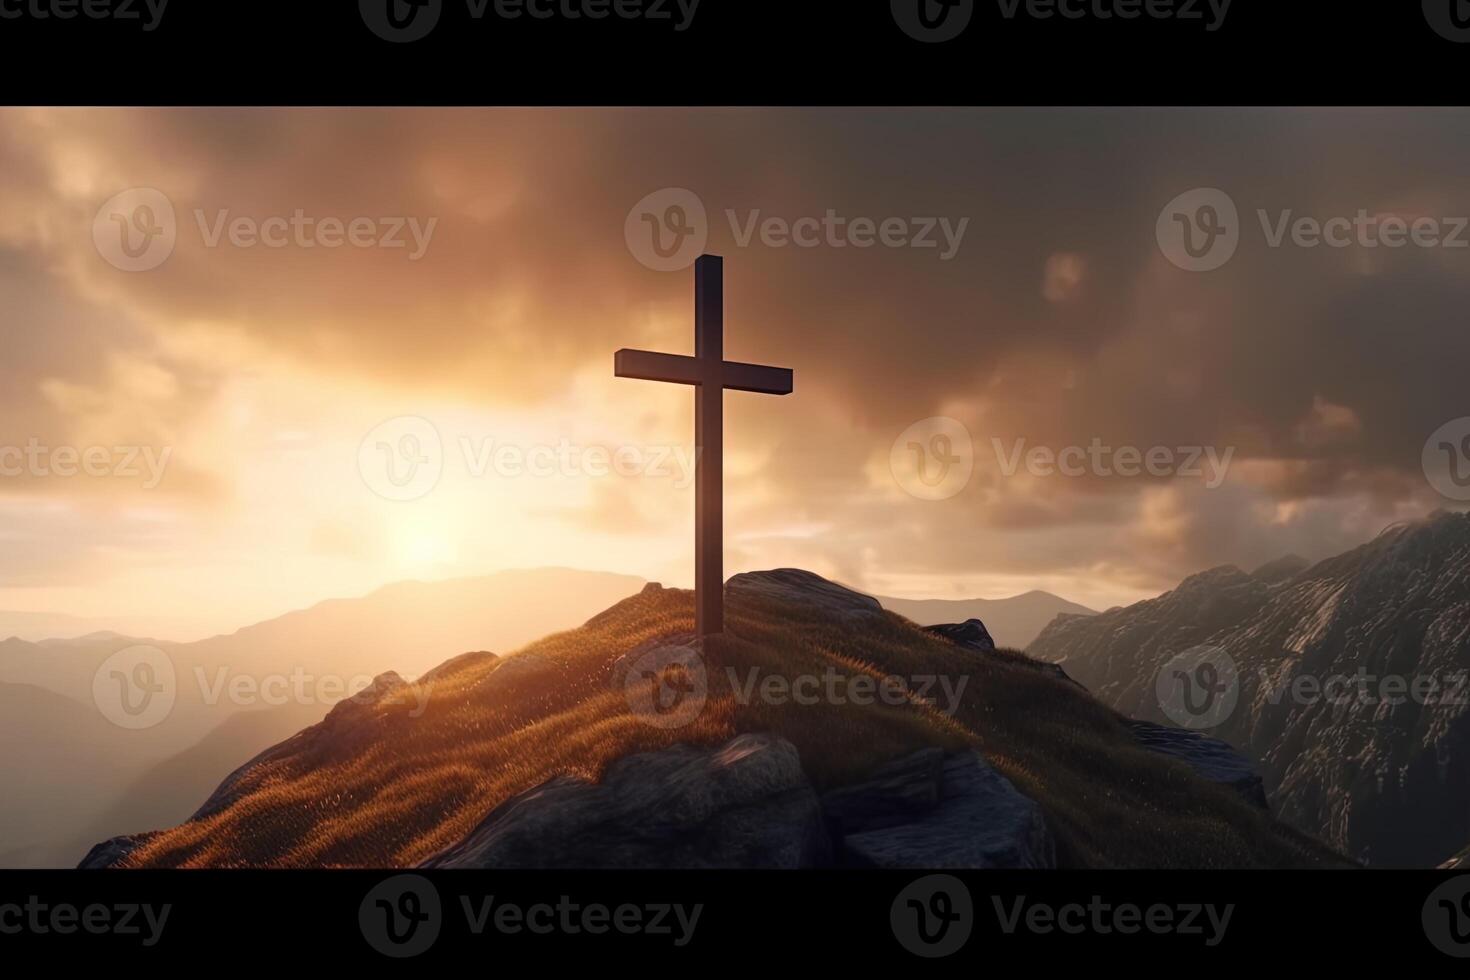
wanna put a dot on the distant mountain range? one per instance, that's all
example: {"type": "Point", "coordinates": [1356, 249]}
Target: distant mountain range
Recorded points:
{"type": "Point", "coordinates": [1013, 623]}
{"type": "Point", "coordinates": [69, 774]}
{"type": "Point", "coordinates": [1352, 682]}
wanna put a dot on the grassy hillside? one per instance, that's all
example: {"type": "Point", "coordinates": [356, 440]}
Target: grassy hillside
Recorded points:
{"type": "Point", "coordinates": [376, 786]}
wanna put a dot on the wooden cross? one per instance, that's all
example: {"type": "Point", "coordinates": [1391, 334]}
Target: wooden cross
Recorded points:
{"type": "Point", "coordinates": [710, 374]}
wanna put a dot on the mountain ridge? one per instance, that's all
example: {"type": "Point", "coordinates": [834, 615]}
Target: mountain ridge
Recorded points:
{"type": "Point", "coordinates": [375, 785]}
{"type": "Point", "coordinates": [1386, 782]}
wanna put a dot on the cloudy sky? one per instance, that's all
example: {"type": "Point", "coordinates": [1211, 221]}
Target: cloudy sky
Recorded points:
{"type": "Point", "coordinates": [254, 359]}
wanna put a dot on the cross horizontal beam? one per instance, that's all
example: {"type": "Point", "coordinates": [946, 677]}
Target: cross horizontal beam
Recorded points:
{"type": "Point", "coordinates": [647, 365]}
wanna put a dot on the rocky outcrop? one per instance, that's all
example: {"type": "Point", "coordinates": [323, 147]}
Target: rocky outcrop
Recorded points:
{"type": "Point", "coordinates": [1352, 683]}
{"type": "Point", "coordinates": [747, 804]}
{"type": "Point", "coordinates": [973, 636]}
{"type": "Point", "coordinates": [937, 811]}
{"type": "Point", "coordinates": [1460, 862]}
{"type": "Point", "coordinates": [800, 588]}
{"type": "Point", "coordinates": [971, 633]}
{"type": "Point", "coordinates": [1210, 758]}
{"type": "Point", "coordinates": [112, 853]}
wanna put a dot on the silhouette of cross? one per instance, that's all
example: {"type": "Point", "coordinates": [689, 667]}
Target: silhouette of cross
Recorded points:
{"type": "Point", "coordinates": [710, 374]}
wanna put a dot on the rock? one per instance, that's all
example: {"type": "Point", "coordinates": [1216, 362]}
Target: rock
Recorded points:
{"type": "Point", "coordinates": [111, 853]}
{"type": "Point", "coordinates": [898, 792]}
{"type": "Point", "coordinates": [1460, 862]}
{"type": "Point", "coordinates": [746, 804]}
{"type": "Point", "coordinates": [1210, 758]}
{"type": "Point", "coordinates": [971, 633]}
{"type": "Point", "coordinates": [795, 587]}
{"type": "Point", "coordinates": [979, 821]}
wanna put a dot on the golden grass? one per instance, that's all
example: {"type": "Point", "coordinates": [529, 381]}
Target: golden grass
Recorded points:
{"type": "Point", "coordinates": [376, 787]}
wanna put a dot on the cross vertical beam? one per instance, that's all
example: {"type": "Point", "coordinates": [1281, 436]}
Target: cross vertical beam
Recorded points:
{"type": "Point", "coordinates": [709, 447]}
{"type": "Point", "coordinates": [710, 374]}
